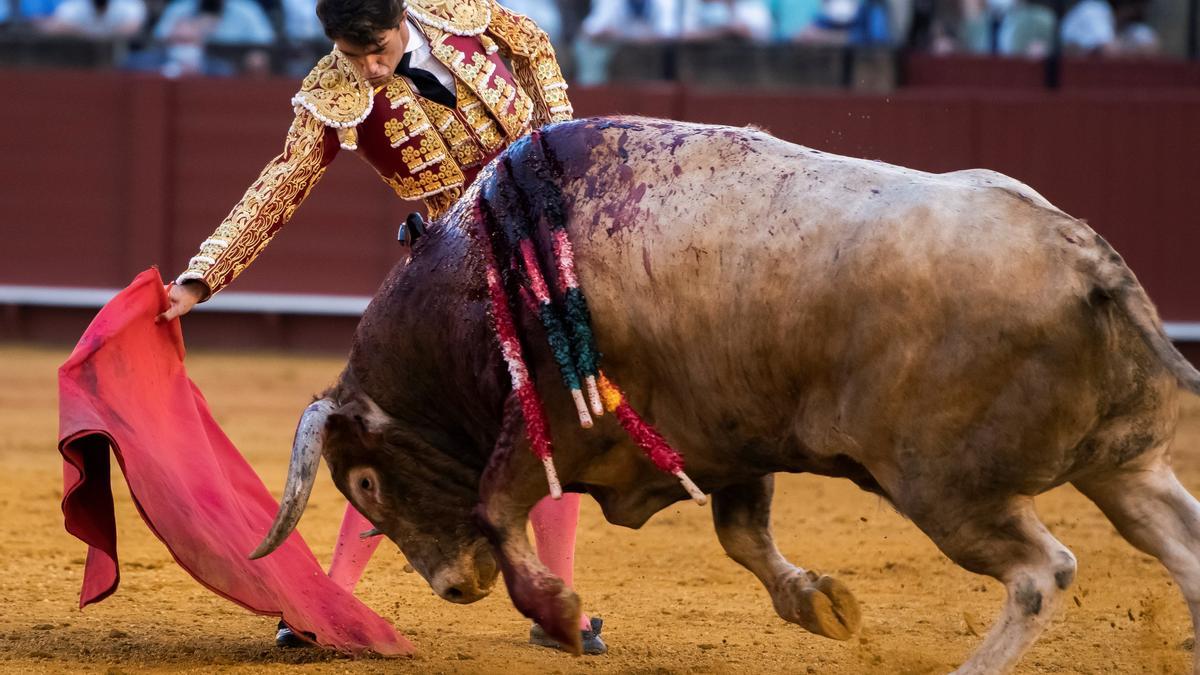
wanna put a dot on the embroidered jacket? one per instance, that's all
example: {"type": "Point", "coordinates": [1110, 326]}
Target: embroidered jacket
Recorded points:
{"type": "Point", "coordinates": [422, 149]}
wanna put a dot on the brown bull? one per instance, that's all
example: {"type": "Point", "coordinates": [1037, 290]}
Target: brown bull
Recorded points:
{"type": "Point", "coordinates": [952, 342]}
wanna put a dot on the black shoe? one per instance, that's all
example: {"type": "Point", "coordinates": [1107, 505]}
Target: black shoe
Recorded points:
{"type": "Point", "coordinates": [286, 639]}
{"type": "Point", "coordinates": [593, 645]}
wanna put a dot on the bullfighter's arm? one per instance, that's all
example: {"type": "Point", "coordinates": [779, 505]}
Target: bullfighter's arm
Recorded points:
{"type": "Point", "coordinates": [267, 205]}
{"type": "Point", "coordinates": [534, 64]}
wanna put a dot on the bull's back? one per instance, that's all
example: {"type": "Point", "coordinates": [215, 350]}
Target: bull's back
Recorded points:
{"type": "Point", "coordinates": [780, 285]}
{"type": "Point", "coordinates": [713, 230]}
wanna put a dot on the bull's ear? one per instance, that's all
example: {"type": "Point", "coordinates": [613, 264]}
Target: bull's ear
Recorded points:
{"type": "Point", "coordinates": [347, 426]}
{"type": "Point", "coordinates": [360, 419]}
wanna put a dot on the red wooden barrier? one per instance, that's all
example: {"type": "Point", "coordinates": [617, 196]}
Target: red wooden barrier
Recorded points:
{"type": "Point", "coordinates": [108, 173]}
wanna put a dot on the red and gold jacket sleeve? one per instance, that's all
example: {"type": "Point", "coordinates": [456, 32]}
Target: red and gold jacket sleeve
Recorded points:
{"type": "Point", "coordinates": [534, 64]}
{"type": "Point", "coordinates": [267, 205]}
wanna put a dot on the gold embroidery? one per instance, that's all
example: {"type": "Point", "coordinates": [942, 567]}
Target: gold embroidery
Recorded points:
{"type": "Point", "coordinates": [398, 92]}
{"type": "Point", "coordinates": [427, 183]}
{"type": "Point", "coordinates": [267, 205]}
{"type": "Point", "coordinates": [424, 154]}
{"type": "Point", "coordinates": [423, 149]}
{"type": "Point", "coordinates": [481, 124]}
{"type": "Point", "coordinates": [534, 67]}
{"type": "Point", "coordinates": [395, 132]}
{"type": "Point", "coordinates": [335, 93]}
{"type": "Point", "coordinates": [460, 17]}
{"type": "Point", "coordinates": [510, 105]}
{"type": "Point", "coordinates": [463, 147]}
{"type": "Point", "coordinates": [441, 202]}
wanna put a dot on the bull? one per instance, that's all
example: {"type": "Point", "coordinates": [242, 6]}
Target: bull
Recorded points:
{"type": "Point", "coordinates": [952, 342]}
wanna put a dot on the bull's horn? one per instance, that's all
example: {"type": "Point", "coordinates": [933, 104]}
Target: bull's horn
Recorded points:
{"type": "Point", "coordinates": [302, 473]}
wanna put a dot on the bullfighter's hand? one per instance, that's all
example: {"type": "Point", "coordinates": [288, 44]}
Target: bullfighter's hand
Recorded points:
{"type": "Point", "coordinates": [183, 297]}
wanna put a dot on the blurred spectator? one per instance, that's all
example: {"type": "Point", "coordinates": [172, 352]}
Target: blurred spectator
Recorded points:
{"type": "Point", "coordinates": [32, 10]}
{"type": "Point", "coordinates": [543, 12]}
{"type": "Point", "coordinates": [935, 26]}
{"type": "Point", "coordinates": [632, 20]}
{"type": "Point", "coordinates": [187, 27]}
{"type": "Point", "coordinates": [1007, 28]}
{"type": "Point", "coordinates": [1093, 27]}
{"type": "Point", "coordinates": [614, 21]}
{"type": "Point", "coordinates": [4, 12]}
{"type": "Point", "coordinates": [300, 22]}
{"type": "Point", "coordinates": [105, 19]}
{"type": "Point", "coordinates": [1090, 26]}
{"type": "Point", "coordinates": [849, 22]}
{"type": "Point", "coordinates": [230, 22]}
{"type": "Point", "coordinates": [792, 16]}
{"type": "Point", "coordinates": [1135, 36]}
{"type": "Point", "coordinates": [725, 19]}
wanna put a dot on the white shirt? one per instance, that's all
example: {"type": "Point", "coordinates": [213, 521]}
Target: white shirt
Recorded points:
{"type": "Point", "coordinates": [119, 14]}
{"type": "Point", "coordinates": [754, 15]}
{"type": "Point", "coordinates": [423, 58]}
{"type": "Point", "coordinates": [1089, 25]}
{"type": "Point", "coordinates": [300, 20]}
{"type": "Point", "coordinates": [616, 16]}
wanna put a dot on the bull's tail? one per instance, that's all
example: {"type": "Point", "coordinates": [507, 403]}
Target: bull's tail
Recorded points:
{"type": "Point", "coordinates": [1116, 281]}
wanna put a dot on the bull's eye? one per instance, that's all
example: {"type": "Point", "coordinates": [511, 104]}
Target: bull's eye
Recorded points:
{"type": "Point", "coordinates": [365, 483]}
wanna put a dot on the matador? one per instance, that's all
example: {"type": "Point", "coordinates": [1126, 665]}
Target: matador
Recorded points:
{"type": "Point", "coordinates": [427, 92]}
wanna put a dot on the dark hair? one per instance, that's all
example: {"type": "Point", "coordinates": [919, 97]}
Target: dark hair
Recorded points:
{"type": "Point", "coordinates": [359, 21]}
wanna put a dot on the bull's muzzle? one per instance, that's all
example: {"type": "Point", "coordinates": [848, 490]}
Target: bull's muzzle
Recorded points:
{"type": "Point", "coordinates": [470, 580]}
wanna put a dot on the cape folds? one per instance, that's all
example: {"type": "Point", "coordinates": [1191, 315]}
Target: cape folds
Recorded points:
{"type": "Point", "coordinates": [125, 388]}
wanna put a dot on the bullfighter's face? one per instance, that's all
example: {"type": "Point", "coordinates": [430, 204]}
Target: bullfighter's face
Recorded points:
{"type": "Point", "coordinates": [377, 61]}
{"type": "Point", "coordinates": [421, 497]}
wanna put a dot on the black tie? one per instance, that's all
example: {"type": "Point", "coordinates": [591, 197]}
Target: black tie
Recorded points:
{"type": "Point", "coordinates": [428, 86]}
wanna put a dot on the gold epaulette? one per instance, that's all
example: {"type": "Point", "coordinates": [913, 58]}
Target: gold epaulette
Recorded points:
{"type": "Point", "coordinates": [519, 33]}
{"type": "Point", "coordinates": [457, 17]}
{"type": "Point", "coordinates": [336, 95]}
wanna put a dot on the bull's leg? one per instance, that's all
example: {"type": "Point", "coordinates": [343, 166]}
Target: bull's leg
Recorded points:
{"type": "Point", "coordinates": [1155, 513]}
{"type": "Point", "coordinates": [819, 604]}
{"type": "Point", "coordinates": [509, 488]}
{"type": "Point", "coordinates": [1007, 541]}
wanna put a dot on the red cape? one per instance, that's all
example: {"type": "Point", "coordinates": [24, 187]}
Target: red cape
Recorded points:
{"type": "Point", "coordinates": [125, 387]}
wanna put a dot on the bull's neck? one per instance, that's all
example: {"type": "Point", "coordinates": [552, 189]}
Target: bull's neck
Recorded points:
{"type": "Point", "coordinates": [424, 350]}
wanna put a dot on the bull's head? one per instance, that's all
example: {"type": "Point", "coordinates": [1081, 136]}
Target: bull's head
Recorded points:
{"type": "Point", "coordinates": [411, 490]}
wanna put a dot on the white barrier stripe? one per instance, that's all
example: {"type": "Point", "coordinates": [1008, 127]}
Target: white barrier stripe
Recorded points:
{"type": "Point", "coordinates": [302, 303]}
{"type": "Point", "coordinates": [227, 301]}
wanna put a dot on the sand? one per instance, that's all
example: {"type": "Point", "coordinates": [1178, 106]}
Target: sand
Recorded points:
{"type": "Point", "coordinates": [671, 600]}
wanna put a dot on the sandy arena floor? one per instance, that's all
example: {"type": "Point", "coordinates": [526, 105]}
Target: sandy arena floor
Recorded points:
{"type": "Point", "coordinates": [671, 600]}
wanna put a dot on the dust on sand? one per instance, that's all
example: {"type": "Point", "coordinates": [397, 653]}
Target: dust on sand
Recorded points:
{"type": "Point", "coordinates": [671, 600]}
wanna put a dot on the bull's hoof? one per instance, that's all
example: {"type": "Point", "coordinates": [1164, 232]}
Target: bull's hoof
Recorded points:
{"type": "Point", "coordinates": [561, 622]}
{"type": "Point", "coordinates": [821, 605]}
{"type": "Point", "coordinates": [556, 609]}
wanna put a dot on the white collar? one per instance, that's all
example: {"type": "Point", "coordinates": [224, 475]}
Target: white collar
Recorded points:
{"type": "Point", "coordinates": [416, 39]}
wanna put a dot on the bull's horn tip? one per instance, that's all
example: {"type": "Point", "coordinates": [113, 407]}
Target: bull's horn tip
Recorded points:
{"type": "Point", "coordinates": [262, 550]}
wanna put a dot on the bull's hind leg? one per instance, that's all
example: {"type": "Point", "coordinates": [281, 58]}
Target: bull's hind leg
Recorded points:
{"type": "Point", "coordinates": [1156, 514]}
{"type": "Point", "coordinates": [1004, 540]}
{"type": "Point", "coordinates": [820, 604]}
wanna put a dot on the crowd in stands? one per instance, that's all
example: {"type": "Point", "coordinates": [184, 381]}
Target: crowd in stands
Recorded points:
{"type": "Point", "coordinates": [177, 37]}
